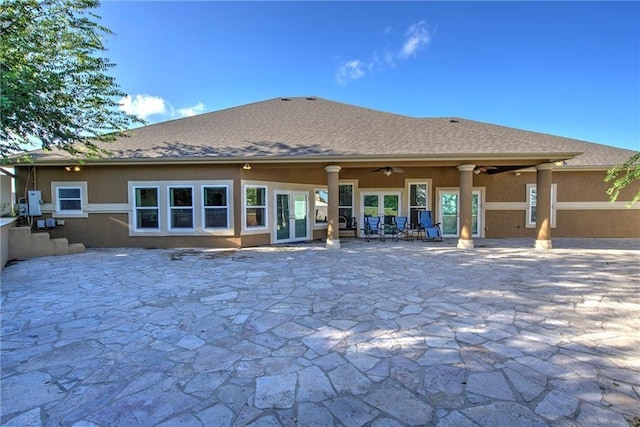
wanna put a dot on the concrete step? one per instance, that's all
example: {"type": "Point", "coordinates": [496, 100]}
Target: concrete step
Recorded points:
{"type": "Point", "coordinates": [76, 248]}
{"type": "Point", "coordinates": [25, 244]}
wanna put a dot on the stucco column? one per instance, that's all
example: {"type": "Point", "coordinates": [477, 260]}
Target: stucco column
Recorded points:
{"type": "Point", "coordinates": [466, 191]}
{"type": "Point", "coordinates": [333, 227]}
{"type": "Point", "coordinates": [543, 206]}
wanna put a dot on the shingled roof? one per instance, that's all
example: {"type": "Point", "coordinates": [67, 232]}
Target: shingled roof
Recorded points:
{"type": "Point", "coordinates": [313, 129]}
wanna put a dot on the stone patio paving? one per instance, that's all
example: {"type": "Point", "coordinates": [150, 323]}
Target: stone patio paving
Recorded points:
{"type": "Point", "coordinates": [374, 334]}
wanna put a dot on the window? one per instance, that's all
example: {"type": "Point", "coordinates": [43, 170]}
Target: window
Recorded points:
{"type": "Point", "coordinates": [216, 210]}
{"type": "Point", "coordinates": [418, 197]}
{"type": "Point", "coordinates": [146, 208]}
{"type": "Point", "coordinates": [321, 206]}
{"type": "Point", "coordinates": [345, 200]}
{"type": "Point", "coordinates": [181, 207]}
{"type": "Point", "coordinates": [69, 199]}
{"type": "Point", "coordinates": [531, 205]}
{"type": "Point", "coordinates": [255, 206]}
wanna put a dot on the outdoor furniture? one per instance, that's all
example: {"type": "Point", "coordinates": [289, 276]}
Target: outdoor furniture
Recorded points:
{"type": "Point", "coordinates": [348, 224]}
{"type": "Point", "coordinates": [429, 229]}
{"type": "Point", "coordinates": [388, 225]}
{"type": "Point", "coordinates": [373, 226]}
{"type": "Point", "coordinates": [402, 229]}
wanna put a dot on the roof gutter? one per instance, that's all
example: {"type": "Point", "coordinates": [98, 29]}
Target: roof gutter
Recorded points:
{"type": "Point", "coordinates": [462, 157]}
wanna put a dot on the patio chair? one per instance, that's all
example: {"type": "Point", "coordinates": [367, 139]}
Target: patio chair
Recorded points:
{"type": "Point", "coordinates": [402, 229]}
{"type": "Point", "coordinates": [429, 229]}
{"type": "Point", "coordinates": [373, 226]}
{"type": "Point", "coordinates": [389, 225]}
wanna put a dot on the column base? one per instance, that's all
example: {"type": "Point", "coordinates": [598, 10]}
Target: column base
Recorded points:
{"type": "Point", "coordinates": [333, 244]}
{"type": "Point", "coordinates": [543, 244]}
{"type": "Point", "coordinates": [465, 244]}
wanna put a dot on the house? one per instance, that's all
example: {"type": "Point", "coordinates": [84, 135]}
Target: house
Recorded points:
{"type": "Point", "coordinates": [286, 169]}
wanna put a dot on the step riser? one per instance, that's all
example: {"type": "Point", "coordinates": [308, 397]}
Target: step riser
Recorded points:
{"type": "Point", "coordinates": [25, 244]}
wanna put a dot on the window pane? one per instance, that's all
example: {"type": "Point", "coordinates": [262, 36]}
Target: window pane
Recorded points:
{"type": "Point", "coordinates": [413, 215]}
{"type": "Point", "coordinates": [215, 218]}
{"type": "Point", "coordinates": [255, 217]}
{"type": "Point", "coordinates": [418, 195]}
{"type": "Point", "coordinates": [147, 197]}
{"type": "Point", "coordinates": [255, 196]}
{"type": "Point", "coordinates": [70, 205]}
{"type": "Point", "coordinates": [322, 201]}
{"type": "Point", "coordinates": [180, 196]}
{"type": "Point", "coordinates": [533, 196]}
{"type": "Point", "coordinates": [181, 218]}
{"type": "Point", "coordinates": [345, 195]}
{"type": "Point", "coordinates": [215, 196]}
{"type": "Point", "coordinates": [346, 212]}
{"type": "Point", "coordinates": [69, 193]}
{"type": "Point", "coordinates": [147, 218]}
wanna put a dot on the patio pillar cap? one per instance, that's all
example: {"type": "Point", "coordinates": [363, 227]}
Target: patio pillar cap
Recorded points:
{"type": "Point", "coordinates": [333, 168]}
{"type": "Point", "coordinates": [466, 168]}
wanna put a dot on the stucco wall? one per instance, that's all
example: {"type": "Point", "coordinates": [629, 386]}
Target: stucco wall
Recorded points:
{"type": "Point", "coordinates": [5, 225]}
{"type": "Point", "coordinates": [582, 203]}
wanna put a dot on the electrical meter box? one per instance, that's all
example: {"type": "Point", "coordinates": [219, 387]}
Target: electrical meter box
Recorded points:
{"type": "Point", "coordinates": [34, 201]}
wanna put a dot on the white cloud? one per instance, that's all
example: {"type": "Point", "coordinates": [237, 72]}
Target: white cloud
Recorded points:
{"type": "Point", "coordinates": [191, 111]}
{"type": "Point", "coordinates": [143, 106]}
{"type": "Point", "coordinates": [350, 70]}
{"type": "Point", "coordinates": [418, 37]}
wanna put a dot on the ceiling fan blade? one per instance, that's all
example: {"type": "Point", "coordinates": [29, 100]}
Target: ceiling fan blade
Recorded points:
{"type": "Point", "coordinates": [397, 170]}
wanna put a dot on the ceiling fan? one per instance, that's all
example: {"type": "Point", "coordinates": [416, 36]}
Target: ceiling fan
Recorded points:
{"type": "Point", "coordinates": [388, 170]}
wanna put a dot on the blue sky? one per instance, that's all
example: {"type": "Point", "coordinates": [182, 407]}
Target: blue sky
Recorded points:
{"type": "Point", "coordinates": [565, 68]}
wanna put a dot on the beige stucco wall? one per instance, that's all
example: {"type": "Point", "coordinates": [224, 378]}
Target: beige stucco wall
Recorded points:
{"type": "Point", "coordinates": [5, 225]}
{"type": "Point", "coordinates": [109, 185]}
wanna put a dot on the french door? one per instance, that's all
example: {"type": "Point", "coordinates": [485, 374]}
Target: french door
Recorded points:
{"type": "Point", "coordinates": [449, 212]}
{"type": "Point", "coordinates": [292, 208]}
{"type": "Point", "coordinates": [380, 204]}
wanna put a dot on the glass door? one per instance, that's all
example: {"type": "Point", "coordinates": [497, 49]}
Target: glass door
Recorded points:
{"type": "Point", "coordinates": [291, 216]}
{"type": "Point", "coordinates": [449, 213]}
{"type": "Point", "coordinates": [380, 204]}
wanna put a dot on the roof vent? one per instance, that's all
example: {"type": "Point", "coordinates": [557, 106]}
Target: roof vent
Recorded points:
{"type": "Point", "coordinates": [310, 98]}
{"type": "Point", "coordinates": [454, 121]}
{"type": "Point", "coordinates": [285, 99]}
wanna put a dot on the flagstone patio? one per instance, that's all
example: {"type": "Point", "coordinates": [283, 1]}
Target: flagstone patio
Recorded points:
{"type": "Point", "coordinates": [376, 334]}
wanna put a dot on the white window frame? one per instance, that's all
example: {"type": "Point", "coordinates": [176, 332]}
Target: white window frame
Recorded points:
{"type": "Point", "coordinates": [353, 198]}
{"type": "Point", "coordinates": [426, 183]}
{"type": "Point", "coordinates": [205, 207]}
{"type": "Point", "coordinates": [530, 204]}
{"type": "Point", "coordinates": [172, 208]}
{"type": "Point", "coordinates": [245, 207]}
{"type": "Point", "coordinates": [64, 213]}
{"type": "Point", "coordinates": [135, 209]}
{"type": "Point", "coordinates": [164, 210]}
{"type": "Point", "coordinates": [315, 207]}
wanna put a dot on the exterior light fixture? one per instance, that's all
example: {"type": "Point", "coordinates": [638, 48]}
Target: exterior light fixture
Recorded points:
{"type": "Point", "coordinates": [387, 172]}
{"type": "Point", "coordinates": [246, 166]}
{"type": "Point", "coordinates": [76, 168]}
{"type": "Point", "coordinates": [72, 168]}
{"type": "Point", "coordinates": [560, 163]}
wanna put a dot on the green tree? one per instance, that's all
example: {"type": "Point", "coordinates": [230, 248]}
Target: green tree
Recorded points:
{"type": "Point", "coordinates": [623, 175]}
{"type": "Point", "coordinates": [54, 90]}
